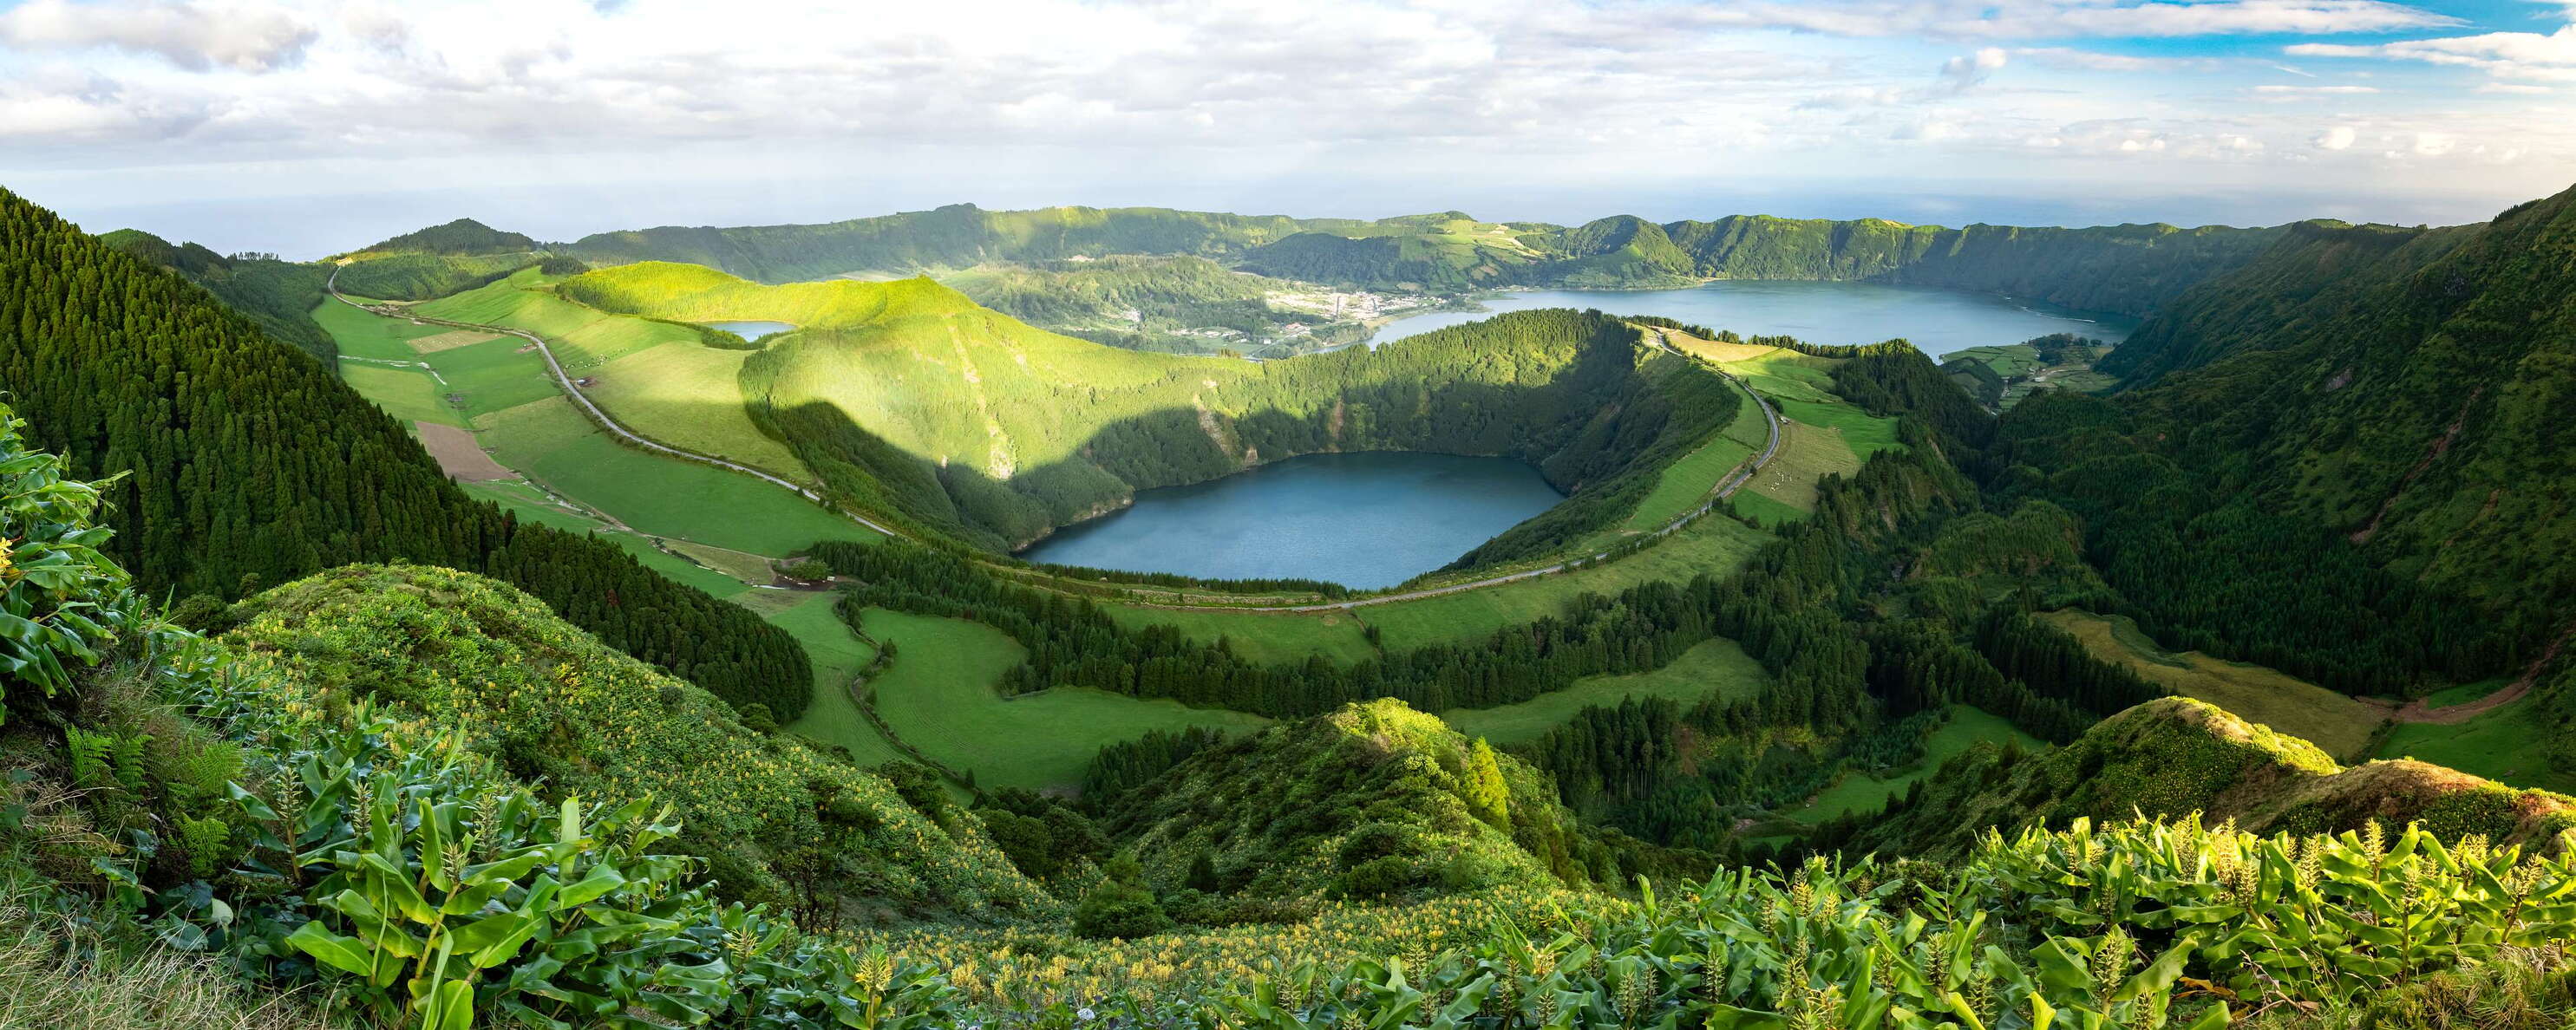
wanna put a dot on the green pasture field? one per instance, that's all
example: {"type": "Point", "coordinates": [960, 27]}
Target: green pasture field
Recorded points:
{"type": "Point", "coordinates": [493, 375]}
{"type": "Point", "coordinates": [656, 494]}
{"type": "Point", "coordinates": [1265, 639]}
{"type": "Point", "coordinates": [408, 394]}
{"type": "Point", "coordinates": [1715, 545]}
{"type": "Point", "coordinates": [745, 567]}
{"type": "Point", "coordinates": [1860, 792]}
{"type": "Point", "coordinates": [2340, 725]}
{"type": "Point", "coordinates": [938, 696]}
{"type": "Point", "coordinates": [517, 301]}
{"type": "Point", "coordinates": [690, 396]}
{"type": "Point", "coordinates": [838, 655]}
{"type": "Point", "coordinates": [1686, 482]}
{"type": "Point", "coordinates": [1771, 513]}
{"type": "Point", "coordinates": [1808, 453]}
{"type": "Point", "coordinates": [529, 506]}
{"type": "Point", "coordinates": [1712, 667]}
{"type": "Point", "coordinates": [2509, 745]}
{"type": "Point", "coordinates": [365, 335]}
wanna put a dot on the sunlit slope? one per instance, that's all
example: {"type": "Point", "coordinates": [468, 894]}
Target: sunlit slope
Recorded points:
{"type": "Point", "coordinates": [2174, 756]}
{"type": "Point", "coordinates": [907, 398]}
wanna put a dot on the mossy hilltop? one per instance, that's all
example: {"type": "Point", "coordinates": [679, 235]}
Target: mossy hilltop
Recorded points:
{"type": "Point", "coordinates": [2178, 756]}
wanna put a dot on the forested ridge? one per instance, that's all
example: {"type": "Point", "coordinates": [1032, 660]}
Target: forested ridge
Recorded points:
{"type": "Point", "coordinates": [242, 463]}
{"type": "Point", "coordinates": [2124, 268]}
{"type": "Point", "coordinates": [279, 295]}
{"type": "Point", "coordinates": [2348, 459]}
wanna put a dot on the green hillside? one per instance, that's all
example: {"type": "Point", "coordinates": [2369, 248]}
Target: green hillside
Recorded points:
{"type": "Point", "coordinates": [907, 398]}
{"type": "Point", "coordinates": [243, 463]}
{"type": "Point", "coordinates": [956, 236]}
{"type": "Point", "coordinates": [424, 276]}
{"type": "Point", "coordinates": [1177, 304]}
{"type": "Point", "coordinates": [2409, 385]}
{"type": "Point", "coordinates": [1372, 801]}
{"type": "Point", "coordinates": [2175, 757]}
{"type": "Point", "coordinates": [1850, 748]}
{"type": "Point", "coordinates": [459, 238]}
{"type": "Point", "coordinates": [2363, 428]}
{"type": "Point", "coordinates": [276, 294]}
{"type": "Point", "coordinates": [551, 705]}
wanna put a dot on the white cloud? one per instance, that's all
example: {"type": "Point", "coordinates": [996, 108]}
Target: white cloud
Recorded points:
{"type": "Point", "coordinates": [2067, 57]}
{"type": "Point", "coordinates": [1554, 91]}
{"type": "Point", "coordinates": [1959, 74]}
{"type": "Point", "coordinates": [193, 35]}
{"type": "Point", "coordinates": [2507, 55]}
{"type": "Point", "coordinates": [2339, 137]}
{"type": "Point", "coordinates": [2061, 19]}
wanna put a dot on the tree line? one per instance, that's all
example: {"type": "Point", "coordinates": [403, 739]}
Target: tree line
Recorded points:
{"type": "Point", "coordinates": [241, 463]}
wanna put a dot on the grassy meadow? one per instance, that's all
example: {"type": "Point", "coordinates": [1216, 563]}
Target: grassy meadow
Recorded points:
{"type": "Point", "coordinates": [1864, 792]}
{"type": "Point", "coordinates": [1268, 639]}
{"type": "Point", "coordinates": [2508, 744]}
{"type": "Point", "coordinates": [1714, 545]}
{"type": "Point", "coordinates": [838, 654]}
{"type": "Point", "coordinates": [364, 335]}
{"type": "Point", "coordinates": [2339, 724]}
{"type": "Point", "coordinates": [1711, 668]}
{"type": "Point", "coordinates": [690, 396]}
{"type": "Point", "coordinates": [664, 496]}
{"type": "Point", "coordinates": [938, 696]}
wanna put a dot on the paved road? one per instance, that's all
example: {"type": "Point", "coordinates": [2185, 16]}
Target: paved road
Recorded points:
{"type": "Point", "coordinates": [1770, 418]}
{"type": "Point", "coordinates": [573, 391]}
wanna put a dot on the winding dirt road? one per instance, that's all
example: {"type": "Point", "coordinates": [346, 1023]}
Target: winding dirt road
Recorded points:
{"type": "Point", "coordinates": [563, 381]}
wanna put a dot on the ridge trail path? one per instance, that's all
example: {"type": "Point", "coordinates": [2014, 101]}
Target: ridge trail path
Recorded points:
{"type": "Point", "coordinates": [2416, 711]}
{"type": "Point", "coordinates": [564, 382]}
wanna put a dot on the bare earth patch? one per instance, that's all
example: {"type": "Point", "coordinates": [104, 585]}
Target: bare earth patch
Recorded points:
{"type": "Point", "coordinates": [450, 341]}
{"type": "Point", "coordinates": [459, 454]}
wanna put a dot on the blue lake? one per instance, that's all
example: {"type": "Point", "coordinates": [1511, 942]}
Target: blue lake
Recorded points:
{"type": "Point", "coordinates": [750, 330]}
{"type": "Point", "coordinates": [1936, 320]}
{"type": "Point", "coordinates": [1362, 520]}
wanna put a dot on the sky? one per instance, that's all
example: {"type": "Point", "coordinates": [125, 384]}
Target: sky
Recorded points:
{"type": "Point", "coordinates": [308, 128]}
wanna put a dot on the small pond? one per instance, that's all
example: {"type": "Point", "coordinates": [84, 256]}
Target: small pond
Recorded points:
{"type": "Point", "coordinates": [752, 331]}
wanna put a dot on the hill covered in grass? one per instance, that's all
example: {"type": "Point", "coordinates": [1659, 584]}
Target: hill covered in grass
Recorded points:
{"type": "Point", "coordinates": [1375, 800]}
{"type": "Point", "coordinates": [345, 811]}
{"type": "Point", "coordinates": [2178, 756]}
{"type": "Point", "coordinates": [908, 398]}
{"type": "Point", "coordinates": [2125, 268]}
{"type": "Point", "coordinates": [551, 705]}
